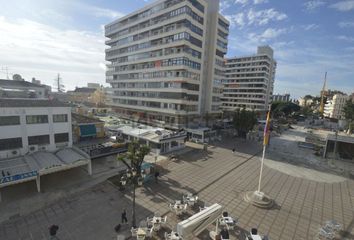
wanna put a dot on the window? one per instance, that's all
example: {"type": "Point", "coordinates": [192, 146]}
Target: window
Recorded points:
{"type": "Point", "coordinates": [9, 120]}
{"type": "Point", "coordinates": [38, 140]}
{"type": "Point", "coordinates": [60, 118]}
{"type": "Point", "coordinates": [61, 137]}
{"type": "Point", "coordinates": [10, 143]}
{"type": "Point", "coordinates": [35, 119]}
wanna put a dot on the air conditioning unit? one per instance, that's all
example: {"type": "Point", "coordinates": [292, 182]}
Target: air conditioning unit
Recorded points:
{"type": "Point", "coordinates": [14, 153]}
{"type": "Point", "coordinates": [42, 148]}
{"type": "Point", "coordinates": [33, 148]}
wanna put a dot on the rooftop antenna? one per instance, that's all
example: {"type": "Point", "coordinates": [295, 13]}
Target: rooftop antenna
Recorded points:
{"type": "Point", "coordinates": [322, 94]}
{"type": "Point", "coordinates": [59, 84]}
{"type": "Point", "coordinates": [6, 69]}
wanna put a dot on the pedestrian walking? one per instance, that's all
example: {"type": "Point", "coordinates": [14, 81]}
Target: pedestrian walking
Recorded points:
{"type": "Point", "coordinates": [124, 217]}
{"type": "Point", "coordinates": [233, 150]}
{"type": "Point", "coordinates": [53, 231]}
{"type": "Point", "coordinates": [157, 174]}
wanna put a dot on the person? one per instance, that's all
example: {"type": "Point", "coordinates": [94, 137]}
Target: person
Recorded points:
{"type": "Point", "coordinates": [53, 231]}
{"type": "Point", "coordinates": [124, 217]}
{"type": "Point", "coordinates": [233, 150]}
{"type": "Point", "coordinates": [157, 174]}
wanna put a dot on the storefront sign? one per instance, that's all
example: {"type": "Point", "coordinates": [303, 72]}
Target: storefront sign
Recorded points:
{"type": "Point", "coordinates": [18, 177]}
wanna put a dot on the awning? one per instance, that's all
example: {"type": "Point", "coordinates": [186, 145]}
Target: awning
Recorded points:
{"type": "Point", "coordinates": [88, 130]}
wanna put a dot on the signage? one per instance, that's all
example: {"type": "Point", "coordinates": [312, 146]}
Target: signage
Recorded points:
{"type": "Point", "coordinates": [18, 177]}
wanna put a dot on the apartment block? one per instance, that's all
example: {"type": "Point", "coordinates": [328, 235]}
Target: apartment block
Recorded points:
{"type": "Point", "coordinates": [334, 106]}
{"type": "Point", "coordinates": [249, 81]}
{"type": "Point", "coordinates": [166, 61]}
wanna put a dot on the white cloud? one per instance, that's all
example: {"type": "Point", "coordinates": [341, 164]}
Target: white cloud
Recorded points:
{"type": "Point", "coordinates": [243, 2]}
{"type": "Point", "coordinates": [263, 17]}
{"type": "Point", "coordinates": [346, 38]}
{"type": "Point", "coordinates": [346, 24]}
{"type": "Point", "coordinates": [38, 50]}
{"type": "Point", "coordinates": [259, 1]}
{"type": "Point", "coordinates": [268, 34]}
{"type": "Point", "coordinates": [343, 6]}
{"type": "Point", "coordinates": [311, 5]}
{"type": "Point", "coordinates": [103, 12]}
{"type": "Point", "coordinates": [236, 19]}
{"type": "Point", "coordinates": [310, 27]}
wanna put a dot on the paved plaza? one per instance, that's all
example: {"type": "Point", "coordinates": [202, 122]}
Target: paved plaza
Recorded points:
{"type": "Point", "coordinates": [219, 176]}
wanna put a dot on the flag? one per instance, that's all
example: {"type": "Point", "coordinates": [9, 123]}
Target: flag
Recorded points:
{"type": "Point", "coordinates": [266, 130]}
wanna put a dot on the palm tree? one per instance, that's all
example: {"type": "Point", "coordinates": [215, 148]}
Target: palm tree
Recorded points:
{"type": "Point", "coordinates": [133, 159]}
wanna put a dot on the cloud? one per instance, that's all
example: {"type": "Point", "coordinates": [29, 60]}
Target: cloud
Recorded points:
{"type": "Point", "coordinates": [310, 27]}
{"type": "Point", "coordinates": [243, 2]}
{"type": "Point", "coordinates": [312, 5]}
{"type": "Point", "coordinates": [103, 12]}
{"type": "Point", "coordinates": [38, 50]}
{"type": "Point", "coordinates": [346, 24]}
{"type": "Point", "coordinates": [268, 34]}
{"type": "Point", "coordinates": [253, 17]}
{"type": "Point", "coordinates": [346, 38]}
{"type": "Point", "coordinates": [263, 17]}
{"type": "Point", "coordinates": [259, 1]}
{"type": "Point", "coordinates": [343, 6]}
{"type": "Point", "coordinates": [236, 19]}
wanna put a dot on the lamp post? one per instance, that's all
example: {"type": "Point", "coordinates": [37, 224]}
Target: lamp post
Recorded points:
{"type": "Point", "coordinates": [132, 177]}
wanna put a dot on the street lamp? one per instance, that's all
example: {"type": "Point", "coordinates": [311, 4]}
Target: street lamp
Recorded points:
{"type": "Point", "coordinates": [132, 177]}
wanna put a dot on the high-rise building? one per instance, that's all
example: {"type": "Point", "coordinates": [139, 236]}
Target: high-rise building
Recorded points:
{"type": "Point", "coordinates": [249, 81]}
{"type": "Point", "coordinates": [334, 106]}
{"type": "Point", "coordinates": [281, 98]}
{"type": "Point", "coordinates": [166, 61]}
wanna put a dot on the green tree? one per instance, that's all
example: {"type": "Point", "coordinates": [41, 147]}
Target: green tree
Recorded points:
{"type": "Point", "coordinates": [348, 111]}
{"type": "Point", "coordinates": [133, 159]}
{"type": "Point", "coordinates": [284, 108]}
{"type": "Point", "coordinates": [244, 121]}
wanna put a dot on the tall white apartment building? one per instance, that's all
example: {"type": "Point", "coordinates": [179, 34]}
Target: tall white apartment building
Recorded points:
{"type": "Point", "coordinates": [249, 81]}
{"type": "Point", "coordinates": [334, 106]}
{"type": "Point", "coordinates": [166, 61]}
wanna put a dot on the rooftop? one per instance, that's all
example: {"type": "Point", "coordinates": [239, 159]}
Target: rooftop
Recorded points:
{"type": "Point", "coordinates": [28, 102]}
{"type": "Point", "coordinates": [78, 118]}
{"type": "Point", "coordinates": [84, 90]}
{"type": "Point", "coordinates": [14, 83]}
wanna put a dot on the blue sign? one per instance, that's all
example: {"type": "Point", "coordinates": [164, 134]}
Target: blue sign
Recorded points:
{"type": "Point", "coordinates": [18, 177]}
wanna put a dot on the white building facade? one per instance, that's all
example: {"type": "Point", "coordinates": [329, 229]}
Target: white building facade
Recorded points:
{"type": "Point", "coordinates": [334, 107]}
{"type": "Point", "coordinates": [163, 61]}
{"type": "Point", "coordinates": [249, 81]}
{"type": "Point", "coordinates": [28, 126]}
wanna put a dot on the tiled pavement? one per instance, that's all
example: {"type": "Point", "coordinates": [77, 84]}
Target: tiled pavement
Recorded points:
{"type": "Point", "coordinates": [301, 205]}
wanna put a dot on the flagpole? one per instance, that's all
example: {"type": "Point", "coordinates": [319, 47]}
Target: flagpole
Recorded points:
{"type": "Point", "coordinates": [260, 174]}
{"type": "Point", "coordinates": [265, 142]}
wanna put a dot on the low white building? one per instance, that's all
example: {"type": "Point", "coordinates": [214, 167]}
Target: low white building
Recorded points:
{"type": "Point", "coordinates": [35, 140]}
{"type": "Point", "coordinates": [29, 125]}
{"type": "Point", "coordinates": [334, 107]}
{"type": "Point", "coordinates": [23, 89]}
{"type": "Point", "coordinates": [159, 140]}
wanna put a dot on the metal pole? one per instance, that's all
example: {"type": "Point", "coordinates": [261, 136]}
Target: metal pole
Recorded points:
{"type": "Point", "coordinates": [133, 217]}
{"type": "Point", "coordinates": [260, 174]}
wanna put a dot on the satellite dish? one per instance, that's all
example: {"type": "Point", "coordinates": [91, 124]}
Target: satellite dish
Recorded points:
{"type": "Point", "coordinates": [17, 77]}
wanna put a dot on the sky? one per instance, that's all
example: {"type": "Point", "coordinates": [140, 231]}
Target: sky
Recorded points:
{"type": "Point", "coordinates": [41, 38]}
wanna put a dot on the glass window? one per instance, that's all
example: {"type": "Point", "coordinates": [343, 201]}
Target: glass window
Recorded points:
{"type": "Point", "coordinates": [38, 140]}
{"type": "Point", "coordinates": [60, 118]}
{"type": "Point", "coordinates": [35, 119]}
{"type": "Point", "coordinates": [61, 137]}
{"type": "Point", "coordinates": [10, 143]}
{"type": "Point", "coordinates": [9, 120]}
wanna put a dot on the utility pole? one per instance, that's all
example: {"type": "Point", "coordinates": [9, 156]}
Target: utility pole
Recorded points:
{"type": "Point", "coordinates": [59, 86]}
